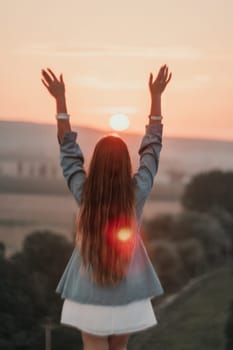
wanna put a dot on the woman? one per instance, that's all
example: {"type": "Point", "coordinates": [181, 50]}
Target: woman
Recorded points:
{"type": "Point", "coordinates": [109, 280]}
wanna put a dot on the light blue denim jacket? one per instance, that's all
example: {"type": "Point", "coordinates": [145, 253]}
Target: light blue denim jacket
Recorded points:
{"type": "Point", "coordinates": [142, 280]}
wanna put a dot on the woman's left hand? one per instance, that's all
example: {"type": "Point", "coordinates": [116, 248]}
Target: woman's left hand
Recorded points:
{"type": "Point", "coordinates": [158, 86]}
{"type": "Point", "coordinates": [54, 86]}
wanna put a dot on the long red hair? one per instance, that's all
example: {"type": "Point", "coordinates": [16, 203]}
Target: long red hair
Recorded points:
{"type": "Point", "coordinates": [106, 222]}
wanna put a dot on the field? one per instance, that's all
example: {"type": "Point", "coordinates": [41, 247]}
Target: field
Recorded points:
{"type": "Point", "coordinates": [195, 320]}
{"type": "Point", "coordinates": [21, 214]}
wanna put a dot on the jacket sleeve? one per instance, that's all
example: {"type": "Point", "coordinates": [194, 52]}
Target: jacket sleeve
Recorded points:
{"type": "Point", "coordinates": [149, 152]}
{"type": "Point", "coordinates": [71, 161]}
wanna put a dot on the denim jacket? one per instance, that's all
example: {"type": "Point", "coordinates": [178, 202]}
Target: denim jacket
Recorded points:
{"type": "Point", "coordinates": [142, 280]}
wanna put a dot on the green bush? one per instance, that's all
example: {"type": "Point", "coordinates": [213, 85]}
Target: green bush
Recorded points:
{"type": "Point", "coordinates": [169, 265]}
{"type": "Point", "coordinates": [226, 221]}
{"type": "Point", "coordinates": [205, 228]}
{"type": "Point", "coordinates": [160, 227]}
{"type": "Point", "coordinates": [192, 255]}
{"type": "Point", "coordinates": [229, 329]}
{"type": "Point", "coordinates": [27, 294]}
{"type": "Point", "coordinates": [207, 189]}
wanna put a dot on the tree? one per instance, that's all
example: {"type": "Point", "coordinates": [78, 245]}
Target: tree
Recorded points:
{"type": "Point", "coordinates": [226, 221]}
{"type": "Point", "coordinates": [27, 293]}
{"type": "Point", "coordinates": [2, 250]}
{"type": "Point", "coordinates": [168, 265]}
{"type": "Point", "coordinates": [205, 228]}
{"type": "Point", "coordinates": [43, 258]}
{"type": "Point", "coordinates": [193, 256]}
{"type": "Point", "coordinates": [208, 189]}
{"type": "Point", "coordinates": [160, 227]}
{"type": "Point", "coordinates": [17, 314]}
{"type": "Point", "coordinates": [229, 329]}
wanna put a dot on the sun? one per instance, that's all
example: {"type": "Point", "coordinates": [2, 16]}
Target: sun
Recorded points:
{"type": "Point", "coordinates": [119, 122]}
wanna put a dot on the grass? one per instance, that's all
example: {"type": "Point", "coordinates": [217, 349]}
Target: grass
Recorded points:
{"type": "Point", "coordinates": [194, 321]}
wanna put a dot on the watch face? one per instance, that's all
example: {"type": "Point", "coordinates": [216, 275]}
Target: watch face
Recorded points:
{"type": "Point", "coordinates": [62, 117]}
{"type": "Point", "coordinates": [156, 117]}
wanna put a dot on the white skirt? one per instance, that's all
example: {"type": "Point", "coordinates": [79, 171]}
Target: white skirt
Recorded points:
{"type": "Point", "coordinates": [109, 319]}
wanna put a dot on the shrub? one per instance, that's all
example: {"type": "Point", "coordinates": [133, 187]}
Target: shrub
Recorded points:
{"type": "Point", "coordinates": [192, 255]}
{"type": "Point", "coordinates": [168, 264]}
{"type": "Point", "coordinates": [205, 228]}
{"type": "Point", "coordinates": [208, 189]}
{"type": "Point", "coordinates": [229, 329]}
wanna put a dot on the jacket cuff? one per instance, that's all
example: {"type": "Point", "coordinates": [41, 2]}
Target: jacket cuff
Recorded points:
{"type": "Point", "coordinates": [151, 129]}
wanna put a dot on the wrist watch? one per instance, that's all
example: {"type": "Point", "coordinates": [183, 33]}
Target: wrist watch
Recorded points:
{"type": "Point", "coordinates": [155, 117]}
{"type": "Point", "coordinates": [62, 116]}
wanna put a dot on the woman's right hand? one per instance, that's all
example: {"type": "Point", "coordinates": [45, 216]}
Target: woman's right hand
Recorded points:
{"type": "Point", "coordinates": [55, 87]}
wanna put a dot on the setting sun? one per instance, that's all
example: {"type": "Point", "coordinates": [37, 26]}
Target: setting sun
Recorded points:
{"type": "Point", "coordinates": [119, 122]}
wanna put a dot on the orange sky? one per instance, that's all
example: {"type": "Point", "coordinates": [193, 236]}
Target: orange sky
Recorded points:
{"type": "Point", "coordinates": [106, 51]}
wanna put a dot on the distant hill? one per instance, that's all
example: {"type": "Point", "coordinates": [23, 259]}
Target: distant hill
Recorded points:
{"type": "Point", "coordinates": [30, 141]}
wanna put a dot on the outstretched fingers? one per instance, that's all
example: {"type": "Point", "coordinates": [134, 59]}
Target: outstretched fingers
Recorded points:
{"type": "Point", "coordinates": [161, 73]}
{"type": "Point", "coordinates": [44, 83]}
{"type": "Point", "coordinates": [161, 81]}
{"type": "Point", "coordinates": [46, 76]}
{"type": "Point", "coordinates": [53, 75]}
{"type": "Point", "coordinates": [169, 78]}
{"type": "Point", "coordinates": [50, 81]}
{"type": "Point", "coordinates": [165, 73]}
{"type": "Point", "coordinates": [150, 79]}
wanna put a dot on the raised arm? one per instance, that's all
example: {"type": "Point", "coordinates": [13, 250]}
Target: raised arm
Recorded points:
{"type": "Point", "coordinates": [71, 157]}
{"type": "Point", "coordinates": [151, 143]}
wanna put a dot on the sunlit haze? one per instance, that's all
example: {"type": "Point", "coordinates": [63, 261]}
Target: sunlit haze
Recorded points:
{"type": "Point", "coordinates": [106, 51]}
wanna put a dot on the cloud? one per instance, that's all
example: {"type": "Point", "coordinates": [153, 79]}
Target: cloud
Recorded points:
{"type": "Point", "coordinates": [112, 110]}
{"type": "Point", "coordinates": [193, 82]}
{"type": "Point", "coordinates": [201, 78]}
{"type": "Point", "coordinates": [94, 82]}
{"type": "Point", "coordinates": [176, 52]}
{"type": "Point", "coordinates": [100, 83]}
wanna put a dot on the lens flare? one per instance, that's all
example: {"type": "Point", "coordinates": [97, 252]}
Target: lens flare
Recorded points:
{"type": "Point", "coordinates": [124, 234]}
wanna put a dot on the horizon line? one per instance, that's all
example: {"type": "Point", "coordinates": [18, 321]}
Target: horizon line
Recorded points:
{"type": "Point", "coordinates": [120, 131]}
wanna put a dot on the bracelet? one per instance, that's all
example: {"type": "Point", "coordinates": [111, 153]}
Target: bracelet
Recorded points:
{"type": "Point", "coordinates": [62, 116]}
{"type": "Point", "coordinates": [153, 117]}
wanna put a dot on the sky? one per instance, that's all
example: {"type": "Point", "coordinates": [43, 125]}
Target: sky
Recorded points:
{"type": "Point", "coordinates": [106, 51]}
